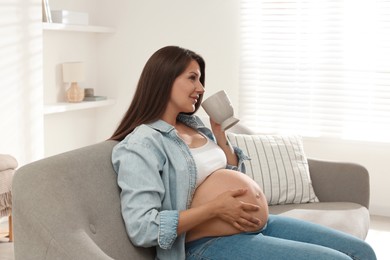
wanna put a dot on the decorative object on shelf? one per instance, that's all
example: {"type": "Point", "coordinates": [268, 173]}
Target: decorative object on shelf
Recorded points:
{"type": "Point", "coordinates": [88, 92]}
{"type": "Point", "coordinates": [46, 14]}
{"type": "Point", "coordinates": [69, 17]}
{"type": "Point", "coordinates": [73, 72]}
{"type": "Point", "coordinates": [90, 96]}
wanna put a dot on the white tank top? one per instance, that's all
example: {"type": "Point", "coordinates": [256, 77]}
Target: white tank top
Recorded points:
{"type": "Point", "coordinates": [208, 158]}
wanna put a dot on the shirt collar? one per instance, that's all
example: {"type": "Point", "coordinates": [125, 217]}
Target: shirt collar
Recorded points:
{"type": "Point", "coordinates": [190, 120]}
{"type": "Point", "coordinates": [161, 126]}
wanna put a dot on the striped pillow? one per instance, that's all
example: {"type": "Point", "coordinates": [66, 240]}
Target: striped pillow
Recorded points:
{"type": "Point", "coordinates": [278, 165]}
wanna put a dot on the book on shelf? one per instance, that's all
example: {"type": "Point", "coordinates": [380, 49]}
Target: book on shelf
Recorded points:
{"type": "Point", "coordinates": [95, 98]}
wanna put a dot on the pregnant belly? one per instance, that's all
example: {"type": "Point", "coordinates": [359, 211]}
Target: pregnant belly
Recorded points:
{"type": "Point", "coordinates": [217, 183]}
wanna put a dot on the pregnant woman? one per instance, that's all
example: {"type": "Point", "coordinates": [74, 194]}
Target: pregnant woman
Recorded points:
{"type": "Point", "coordinates": [183, 187]}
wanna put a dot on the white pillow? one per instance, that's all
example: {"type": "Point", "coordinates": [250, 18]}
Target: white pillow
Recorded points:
{"type": "Point", "coordinates": [278, 165]}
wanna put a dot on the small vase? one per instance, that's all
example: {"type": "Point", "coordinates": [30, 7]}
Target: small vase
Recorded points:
{"type": "Point", "coordinates": [75, 94]}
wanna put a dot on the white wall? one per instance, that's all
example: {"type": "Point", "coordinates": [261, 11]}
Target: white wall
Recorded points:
{"type": "Point", "coordinates": [207, 27]}
{"type": "Point", "coordinates": [21, 121]}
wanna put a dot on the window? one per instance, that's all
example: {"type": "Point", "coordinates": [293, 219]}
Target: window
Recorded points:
{"type": "Point", "coordinates": [316, 68]}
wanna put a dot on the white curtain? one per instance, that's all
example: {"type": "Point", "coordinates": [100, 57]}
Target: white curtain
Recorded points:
{"type": "Point", "coordinates": [316, 68]}
{"type": "Point", "coordinates": [21, 89]}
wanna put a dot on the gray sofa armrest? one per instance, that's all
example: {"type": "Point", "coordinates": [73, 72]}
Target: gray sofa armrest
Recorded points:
{"type": "Point", "coordinates": [340, 181]}
{"type": "Point", "coordinates": [68, 207]}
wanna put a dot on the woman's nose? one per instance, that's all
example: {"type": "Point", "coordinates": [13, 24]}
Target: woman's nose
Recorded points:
{"type": "Point", "coordinates": [200, 88]}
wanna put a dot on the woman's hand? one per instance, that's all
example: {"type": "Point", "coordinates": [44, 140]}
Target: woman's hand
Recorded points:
{"type": "Point", "coordinates": [235, 212]}
{"type": "Point", "coordinates": [223, 142]}
{"type": "Point", "coordinates": [217, 129]}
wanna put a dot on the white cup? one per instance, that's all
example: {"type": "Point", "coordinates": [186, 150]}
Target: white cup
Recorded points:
{"type": "Point", "coordinates": [220, 109]}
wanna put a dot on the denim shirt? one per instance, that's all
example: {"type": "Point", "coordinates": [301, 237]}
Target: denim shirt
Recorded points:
{"type": "Point", "coordinates": [157, 176]}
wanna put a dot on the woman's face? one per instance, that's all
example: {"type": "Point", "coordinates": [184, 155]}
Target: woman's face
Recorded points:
{"type": "Point", "coordinates": [186, 90]}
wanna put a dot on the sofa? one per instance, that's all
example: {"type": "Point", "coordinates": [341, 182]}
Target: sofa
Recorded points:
{"type": "Point", "coordinates": [68, 207]}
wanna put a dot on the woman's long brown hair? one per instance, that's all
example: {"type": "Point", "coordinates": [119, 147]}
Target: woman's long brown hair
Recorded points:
{"type": "Point", "coordinates": [154, 87]}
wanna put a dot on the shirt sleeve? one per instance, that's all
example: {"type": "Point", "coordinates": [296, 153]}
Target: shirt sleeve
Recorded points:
{"type": "Point", "coordinates": [241, 158]}
{"type": "Point", "coordinates": [139, 166]}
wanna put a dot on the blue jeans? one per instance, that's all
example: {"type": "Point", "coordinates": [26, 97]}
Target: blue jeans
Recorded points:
{"type": "Point", "coordinates": [282, 238]}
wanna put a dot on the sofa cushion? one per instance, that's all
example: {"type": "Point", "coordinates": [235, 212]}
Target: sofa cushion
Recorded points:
{"type": "Point", "coordinates": [278, 164]}
{"type": "Point", "coordinates": [348, 217]}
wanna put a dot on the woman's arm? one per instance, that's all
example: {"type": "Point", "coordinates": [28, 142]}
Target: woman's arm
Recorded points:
{"type": "Point", "coordinates": [224, 143]}
{"type": "Point", "coordinates": [142, 192]}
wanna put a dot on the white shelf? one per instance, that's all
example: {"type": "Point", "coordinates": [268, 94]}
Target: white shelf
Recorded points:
{"type": "Point", "coordinates": [66, 107]}
{"type": "Point", "coordinates": [77, 28]}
